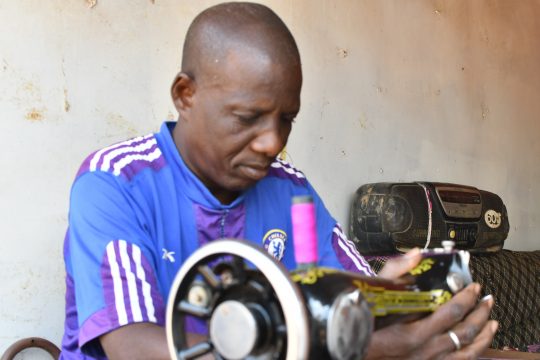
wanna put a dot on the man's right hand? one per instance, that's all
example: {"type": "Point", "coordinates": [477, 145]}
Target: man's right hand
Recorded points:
{"type": "Point", "coordinates": [428, 338]}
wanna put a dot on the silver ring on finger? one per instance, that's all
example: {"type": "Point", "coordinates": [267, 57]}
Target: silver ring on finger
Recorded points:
{"type": "Point", "coordinates": [454, 339]}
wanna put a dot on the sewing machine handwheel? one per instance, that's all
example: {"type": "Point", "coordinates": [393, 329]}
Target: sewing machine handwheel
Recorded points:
{"type": "Point", "coordinates": [249, 314]}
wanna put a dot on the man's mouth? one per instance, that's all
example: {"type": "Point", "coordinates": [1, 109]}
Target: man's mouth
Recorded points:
{"type": "Point", "coordinates": [254, 171]}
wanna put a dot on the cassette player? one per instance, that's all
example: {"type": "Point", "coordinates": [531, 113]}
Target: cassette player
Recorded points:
{"type": "Point", "coordinates": [390, 217]}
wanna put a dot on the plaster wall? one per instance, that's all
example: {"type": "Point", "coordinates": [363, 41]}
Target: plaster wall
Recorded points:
{"type": "Point", "coordinates": [393, 91]}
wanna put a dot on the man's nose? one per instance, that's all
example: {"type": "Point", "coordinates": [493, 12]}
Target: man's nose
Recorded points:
{"type": "Point", "coordinates": [270, 140]}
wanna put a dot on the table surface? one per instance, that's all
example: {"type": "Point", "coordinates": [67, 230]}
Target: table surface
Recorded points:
{"type": "Point", "coordinates": [493, 354]}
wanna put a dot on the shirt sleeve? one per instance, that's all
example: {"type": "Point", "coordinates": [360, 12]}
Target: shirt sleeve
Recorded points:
{"type": "Point", "coordinates": [111, 258]}
{"type": "Point", "coordinates": [335, 249]}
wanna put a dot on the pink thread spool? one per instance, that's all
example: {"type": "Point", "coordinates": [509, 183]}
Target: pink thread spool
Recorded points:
{"type": "Point", "coordinates": [304, 230]}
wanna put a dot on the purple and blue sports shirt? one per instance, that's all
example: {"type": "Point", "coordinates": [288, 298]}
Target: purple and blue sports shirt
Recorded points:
{"type": "Point", "coordinates": [137, 213]}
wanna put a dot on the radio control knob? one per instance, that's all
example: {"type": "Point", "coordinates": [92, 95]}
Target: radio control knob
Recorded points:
{"type": "Point", "coordinates": [448, 245]}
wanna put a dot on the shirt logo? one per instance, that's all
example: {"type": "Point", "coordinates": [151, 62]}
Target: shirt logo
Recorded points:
{"type": "Point", "coordinates": [168, 255]}
{"type": "Point", "coordinates": [274, 242]}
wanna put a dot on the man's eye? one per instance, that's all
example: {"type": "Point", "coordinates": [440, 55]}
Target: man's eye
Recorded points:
{"type": "Point", "coordinates": [247, 119]}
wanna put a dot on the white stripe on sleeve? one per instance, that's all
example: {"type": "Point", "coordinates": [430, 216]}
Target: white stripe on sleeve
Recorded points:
{"type": "Point", "coordinates": [132, 286]}
{"type": "Point", "coordinates": [105, 166]}
{"type": "Point", "coordinates": [97, 155]}
{"type": "Point", "coordinates": [125, 161]}
{"type": "Point", "coordinates": [146, 288]}
{"type": "Point", "coordinates": [117, 284]}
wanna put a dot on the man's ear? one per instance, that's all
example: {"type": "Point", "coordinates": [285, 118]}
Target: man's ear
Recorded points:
{"type": "Point", "coordinates": [182, 91]}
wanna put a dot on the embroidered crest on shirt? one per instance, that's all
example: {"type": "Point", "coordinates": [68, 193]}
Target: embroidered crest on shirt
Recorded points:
{"type": "Point", "coordinates": [274, 242]}
{"type": "Point", "coordinates": [168, 255]}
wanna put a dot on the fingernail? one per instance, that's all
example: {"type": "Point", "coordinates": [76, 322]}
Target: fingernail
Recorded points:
{"type": "Point", "coordinates": [476, 288]}
{"type": "Point", "coordinates": [486, 298]}
{"type": "Point", "coordinates": [494, 325]}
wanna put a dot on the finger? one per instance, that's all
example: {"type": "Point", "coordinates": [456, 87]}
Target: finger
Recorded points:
{"type": "Point", "coordinates": [482, 341]}
{"type": "Point", "coordinates": [468, 329]}
{"type": "Point", "coordinates": [449, 314]}
{"type": "Point", "coordinates": [398, 266]}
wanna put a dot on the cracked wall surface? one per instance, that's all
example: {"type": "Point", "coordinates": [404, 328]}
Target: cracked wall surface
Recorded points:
{"type": "Point", "coordinates": [433, 90]}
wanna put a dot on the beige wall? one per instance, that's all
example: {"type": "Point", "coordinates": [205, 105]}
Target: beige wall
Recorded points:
{"type": "Point", "coordinates": [394, 91]}
{"type": "Point", "coordinates": [423, 90]}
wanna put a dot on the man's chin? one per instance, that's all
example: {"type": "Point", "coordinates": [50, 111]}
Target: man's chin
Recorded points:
{"type": "Point", "coordinates": [242, 183]}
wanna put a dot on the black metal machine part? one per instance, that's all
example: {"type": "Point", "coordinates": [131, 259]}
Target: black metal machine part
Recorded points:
{"type": "Point", "coordinates": [222, 297]}
{"type": "Point", "coordinates": [254, 309]}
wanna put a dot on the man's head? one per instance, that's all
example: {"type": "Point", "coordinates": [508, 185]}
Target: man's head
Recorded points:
{"type": "Point", "coordinates": [237, 95]}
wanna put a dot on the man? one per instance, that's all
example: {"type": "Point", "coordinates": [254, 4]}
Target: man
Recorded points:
{"type": "Point", "coordinates": [141, 207]}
